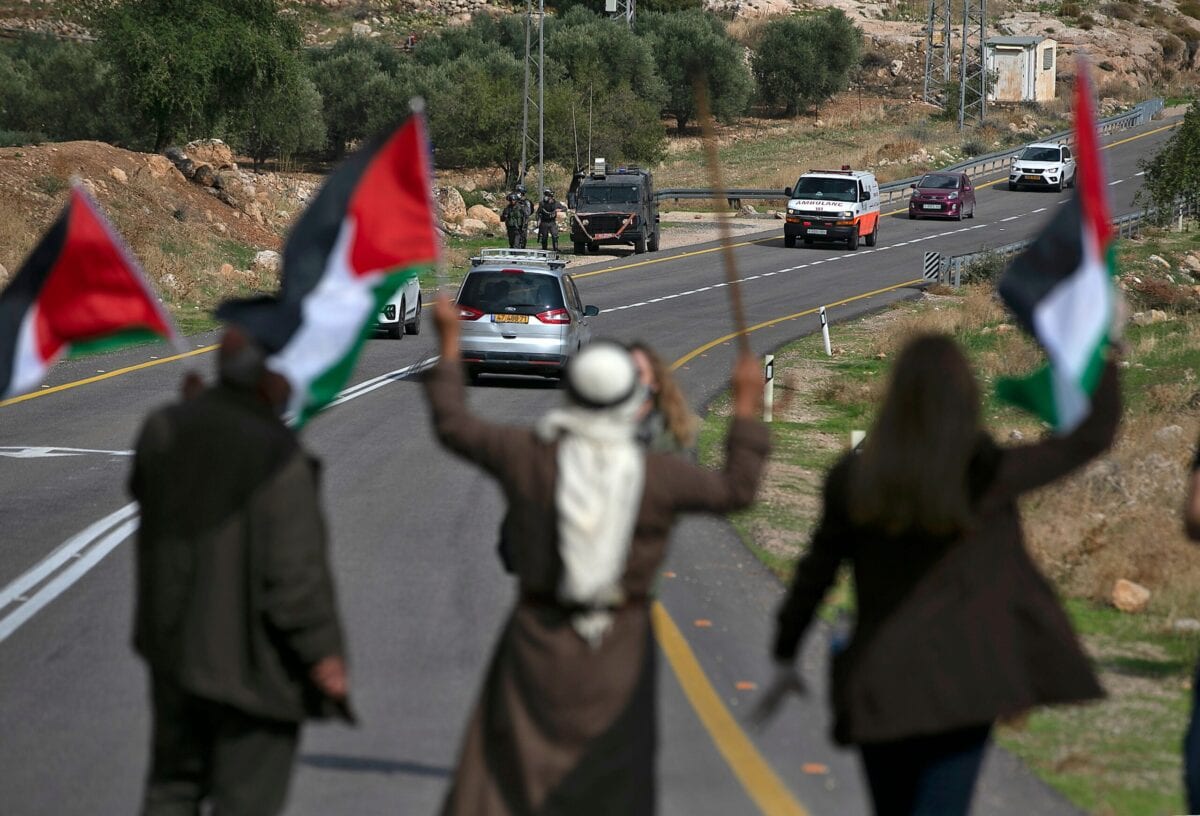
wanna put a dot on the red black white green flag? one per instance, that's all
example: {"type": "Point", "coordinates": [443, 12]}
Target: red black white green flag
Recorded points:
{"type": "Point", "coordinates": [370, 228]}
{"type": "Point", "coordinates": [1061, 288]}
{"type": "Point", "coordinates": [79, 290]}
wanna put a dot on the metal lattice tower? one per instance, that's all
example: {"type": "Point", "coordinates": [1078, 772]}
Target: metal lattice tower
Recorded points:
{"type": "Point", "coordinates": [621, 9]}
{"type": "Point", "coordinates": [535, 98]}
{"type": "Point", "coordinates": [938, 37]}
{"type": "Point", "coordinates": [972, 70]}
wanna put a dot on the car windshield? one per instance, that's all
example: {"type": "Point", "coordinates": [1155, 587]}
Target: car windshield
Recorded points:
{"type": "Point", "coordinates": [608, 194]}
{"type": "Point", "coordinates": [511, 292]}
{"type": "Point", "coordinates": [935, 181]}
{"type": "Point", "coordinates": [829, 189]}
{"type": "Point", "coordinates": [1040, 154]}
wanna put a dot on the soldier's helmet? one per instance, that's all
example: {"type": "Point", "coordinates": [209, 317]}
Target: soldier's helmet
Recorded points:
{"type": "Point", "coordinates": [520, 188]}
{"type": "Point", "coordinates": [548, 192]}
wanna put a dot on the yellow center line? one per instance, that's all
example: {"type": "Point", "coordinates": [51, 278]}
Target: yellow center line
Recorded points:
{"type": "Point", "coordinates": [115, 373]}
{"type": "Point", "coordinates": [694, 353]}
{"type": "Point", "coordinates": [762, 784]}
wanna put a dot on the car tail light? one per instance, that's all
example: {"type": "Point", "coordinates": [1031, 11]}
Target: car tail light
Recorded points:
{"type": "Point", "coordinates": [555, 317]}
{"type": "Point", "coordinates": [467, 313]}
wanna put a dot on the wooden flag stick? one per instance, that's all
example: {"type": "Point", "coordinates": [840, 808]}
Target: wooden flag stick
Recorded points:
{"type": "Point", "coordinates": [720, 201]}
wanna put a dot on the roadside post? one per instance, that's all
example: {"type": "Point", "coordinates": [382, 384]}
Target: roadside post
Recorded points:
{"type": "Point", "coordinates": [769, 388]}
{"type": "Point", "coordinates": [856, 439]}
{"type": "Point", "coordinates": [825, 333]}
{"type": "Point", "coordinates": [932, 267]}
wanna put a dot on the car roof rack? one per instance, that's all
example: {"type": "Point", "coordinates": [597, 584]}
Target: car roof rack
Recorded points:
{"type": "Point", "coordinates": [523, 257]}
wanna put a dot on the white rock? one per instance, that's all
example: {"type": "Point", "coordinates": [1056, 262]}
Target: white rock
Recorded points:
{"type": "Point", "coordinates": [1161, 261]}
{"type": "Point", "coordinates": [118, 175]}
{"type": "Point", "coordinates": [1186, 626]}
{"type": "Point", "coordinates": [267, 261]}
{"type": "Point", "coordinates": [474, 225]}
{"type": "Point", "coordinates": [451, 203]}
{"type": "Point", "coordinates": [1169, 433]}
{"type": "Point", "coordinates": [360, 30]}
{"type": "Point", "coordinates": [896, 67]}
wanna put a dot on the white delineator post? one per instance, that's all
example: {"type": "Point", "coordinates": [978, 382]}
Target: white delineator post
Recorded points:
{"type": "Point", "coordinates": [825, 333]}
{"type": "Point", "coordinates": [768, 388]}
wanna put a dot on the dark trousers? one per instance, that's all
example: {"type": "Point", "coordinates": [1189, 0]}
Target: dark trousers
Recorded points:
{"type": "Point", "coordinates": [548, 229]}
{"type": "Point", "coordinates": [1191, 750]}
{"type": "Point", "coordinates": [205, 751]}
{"type": "Point", "coordinates": [926, 776]}
{"type": "Point", "coordinates": [515, 239]}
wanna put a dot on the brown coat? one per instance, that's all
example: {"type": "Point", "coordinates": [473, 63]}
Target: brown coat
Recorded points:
{"type": "Point", "coordinates": [560, 728]}
{"type": "Point", "coordinates": [952, 632]}
{"type": "Point", "coordinates": [235, 598]}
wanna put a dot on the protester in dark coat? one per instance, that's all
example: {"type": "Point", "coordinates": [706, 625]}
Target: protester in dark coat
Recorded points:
{"type": "Point", "coordinates": [955, 625]}
{"type": "Point", "coordinates": [1191, 740]}
{"type": "Point", "coordinates": [236, 616]}
{"type": "Point", "coordinates": [565, 723]}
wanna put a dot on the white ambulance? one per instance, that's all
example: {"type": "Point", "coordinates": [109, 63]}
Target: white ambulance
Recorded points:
{"type": "Point", "coordinates": [833, 205]}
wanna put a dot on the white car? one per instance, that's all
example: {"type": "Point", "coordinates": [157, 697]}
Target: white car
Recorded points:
{"type": "Point", "coordinates": [1042, 165]}
{"type": "Point", "coordinates": [401, 315]}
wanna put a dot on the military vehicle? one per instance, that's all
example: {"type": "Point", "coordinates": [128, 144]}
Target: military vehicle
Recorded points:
{"type": "Point", "coordinates": [613, 207]}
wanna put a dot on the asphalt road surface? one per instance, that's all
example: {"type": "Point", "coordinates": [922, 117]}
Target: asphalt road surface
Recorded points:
{"type": "Point", "coordinates": [414, 535]}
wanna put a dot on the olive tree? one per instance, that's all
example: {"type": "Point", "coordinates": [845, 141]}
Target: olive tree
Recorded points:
{"type": "Point", "coordinates": [799, 62]}
{"type": "Point", "coordinates": [692, 44]}
{"type": "Point", "coordinates": [1173, 175]}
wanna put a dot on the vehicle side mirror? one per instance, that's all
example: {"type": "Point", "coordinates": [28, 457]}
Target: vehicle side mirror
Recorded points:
{"type": "Point", "coordinates": [590, 311]}
{"type": "Point", "coordinates": [787, 192]}
{"type": "Point", "coordinates": [913, 185]}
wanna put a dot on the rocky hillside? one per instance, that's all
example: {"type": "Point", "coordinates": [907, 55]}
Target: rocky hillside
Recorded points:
{"type": "Point", "coordinates": [1134, 44]}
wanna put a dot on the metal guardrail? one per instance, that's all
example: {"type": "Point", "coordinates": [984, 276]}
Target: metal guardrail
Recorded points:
{"type": "Point", "coordinates": [978, 166]}
{"type": "Point", "coordinates": [1127, 226]}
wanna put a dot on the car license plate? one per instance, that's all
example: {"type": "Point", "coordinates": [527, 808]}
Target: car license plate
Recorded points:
{"type": "Point", "coordinates": [599, 235]}
{"type": "Point", "coordinates": [817, 232]}
{"type": "Point", "coordinates": [1033, 178]}
{"type": "Point", "coordinates": [931, 206]}
{"type": "Point", "coordinates": [510, 318]}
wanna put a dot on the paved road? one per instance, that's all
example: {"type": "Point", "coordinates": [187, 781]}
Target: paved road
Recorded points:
{"type": "Point", "coordinates": [414, 533]}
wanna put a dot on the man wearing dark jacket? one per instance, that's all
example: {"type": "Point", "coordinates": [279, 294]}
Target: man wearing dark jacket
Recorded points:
{"type": "Point", "coordinates": [236, 616]}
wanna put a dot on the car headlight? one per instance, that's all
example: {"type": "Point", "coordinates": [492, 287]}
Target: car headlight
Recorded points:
{"type": "Point", "coordinates": [847, 214]}
{"type": "Point", "coordinates": [793, 211]}
{"type": "Point", "coordinates": [585, 222]}
{"type": "Point", "coordinates": [952, 196]}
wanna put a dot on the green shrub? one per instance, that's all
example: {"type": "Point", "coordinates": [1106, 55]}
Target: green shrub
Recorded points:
{"type": "Point", "coordinates": [802, 61]}
{"type": "Point", "coordinates": [50, 185]}
{"type": "Point", "coordinates": [987, 268]}
{"type": "Point", "coordinates": [21, 138]}
{"type": "Point", "coordinates": [1121, 11]}
{"type": "Point", "coordinates": [1190, 7]}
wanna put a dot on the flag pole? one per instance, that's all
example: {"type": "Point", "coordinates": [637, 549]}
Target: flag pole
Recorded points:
{"type": "Point", "coordinates": [719, 199]}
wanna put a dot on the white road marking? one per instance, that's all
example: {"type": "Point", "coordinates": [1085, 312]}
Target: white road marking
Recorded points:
{"type": "Point", "coordinates": [57, 572]}
{"type": "Point", "coordinates": [1141, 173]}
{"type": "Point", "coordinates": [1040, 209]}
{"type": "Point", "coordinates": [1010, 218]}
{"type": "Point", "coordinates": [18, 452]}
{"type": "Point", "coordinates": [1115, 183]}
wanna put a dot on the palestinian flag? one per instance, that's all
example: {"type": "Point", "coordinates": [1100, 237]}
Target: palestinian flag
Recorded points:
{"type": "Point", "coordinates": [369, 229]}
{"type": "Point", "coordinates": [81, 290]}
{"type": "Point", "coordinates": [1061, 288]}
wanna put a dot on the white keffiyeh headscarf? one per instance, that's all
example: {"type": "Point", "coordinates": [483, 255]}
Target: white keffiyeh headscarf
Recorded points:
{"type": "Point", "coordinates": [601, 473]}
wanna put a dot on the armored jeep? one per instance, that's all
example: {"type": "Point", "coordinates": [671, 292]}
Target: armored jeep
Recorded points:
{"type": "Point", "coordinates": [613, 207]}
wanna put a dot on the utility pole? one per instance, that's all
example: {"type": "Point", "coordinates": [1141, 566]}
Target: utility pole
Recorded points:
{"type": "Point", "coordinates": [937, 36]}
{"type": "Point", "coordinates": [621, 9]}
{"type": "Point", "coordinates": [972, 68]}
{"type": "Point", "coordinates": [535, 53]}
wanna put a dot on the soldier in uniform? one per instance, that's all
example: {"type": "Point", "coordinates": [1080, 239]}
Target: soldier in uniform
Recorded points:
{"type": "Point", "coordinates": [528, 205]}
{"type": "Point", "coordinates": [516, 219]}
{"type": "Point", "coordinates": [236, 616]}
{"type": "Point", "coordinates": [548, 210]}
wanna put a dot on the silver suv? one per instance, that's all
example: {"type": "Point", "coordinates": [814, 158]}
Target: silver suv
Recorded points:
{"type": "Point", "coordinates": [521, 314]}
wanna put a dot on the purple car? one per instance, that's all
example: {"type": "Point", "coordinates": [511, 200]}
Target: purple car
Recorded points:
{"type": "Point", "coordinates": [942, 195]}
